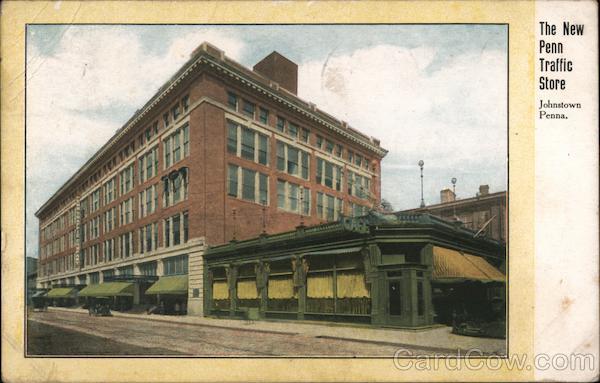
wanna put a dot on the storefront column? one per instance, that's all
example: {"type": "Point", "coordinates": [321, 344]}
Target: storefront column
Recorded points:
{"type": "Point", "coordinates": [232, 274]}
{"type": "Point", "coordinates": [160, 268]}
{"type": "Point", "coordinates": [195, 302]}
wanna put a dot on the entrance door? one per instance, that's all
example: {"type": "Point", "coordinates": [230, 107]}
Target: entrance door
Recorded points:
{"type": "Point", "coordinates": [395, 298]}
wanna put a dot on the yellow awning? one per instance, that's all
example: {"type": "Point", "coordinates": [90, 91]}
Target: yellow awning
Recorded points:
{"type": "Point", "coordinates": [452, 266]}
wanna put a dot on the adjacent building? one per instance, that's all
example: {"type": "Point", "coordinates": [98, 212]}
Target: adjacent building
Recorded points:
{"type": "Point", "coordinates": [485, 212]}
{"type": "Point", "coordinates": [220, 153]}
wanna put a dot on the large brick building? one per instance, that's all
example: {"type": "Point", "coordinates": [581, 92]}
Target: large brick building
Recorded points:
{"type": "Point", "coordinates": [219, 153]}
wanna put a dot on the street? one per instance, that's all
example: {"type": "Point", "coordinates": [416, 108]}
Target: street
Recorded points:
{"type": "Point", "coordinates": [75, 333]}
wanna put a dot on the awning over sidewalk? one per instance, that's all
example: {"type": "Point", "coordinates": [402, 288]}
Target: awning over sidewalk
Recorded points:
{"type": "Point", "coordinates": [62, 292]}
{"type": "Point", "coordinates": [453, 266]}
{"type": "Point", "coordinates": [171, 285]}
{"type": "Point", "coordinates": [108, 289]}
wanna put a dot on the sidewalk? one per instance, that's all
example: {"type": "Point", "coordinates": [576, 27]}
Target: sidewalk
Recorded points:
{"type": "Point", "coordinates": [435, 339]}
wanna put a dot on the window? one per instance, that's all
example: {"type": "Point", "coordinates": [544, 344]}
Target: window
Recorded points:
{"type": "Point", "coordinates": [304, 135]}
{"type": "Point", "coordinates": [148, 201]}
{"type": "Point", "coordinates": [329, 174]}
{"type": "Point", "coordinates": [328, 146]}
{"type": "Point", "coordinates": [247, 184]}
{"type": "Point", "coordinates": [358, 185]}
{"type": "Point", "coordinates": [148, 237]}
{"type": "Point", "coordinates": [176, 229]}
{"type": "Point", "coordinates": [338, 150]}
{"type": "Point", "coordinates": [247, 144]}
{"type": "Point", "coordinates": [175, 112]}
{"type": "Point", "coordinates": [185, 102]}
{"type": "Point", "coordinates": [94, 228]}
{"type": "Point", "coordinates": [126, 178]}
{"type": "Point", "coordinates": [148, 268]}
{"type": "Point", "coordinates": [319, 142]}
{"type": "Point", "coordinates": [148, 164]}
{"type": "Point", "coordinates": [94, 278]}
{"type": "Point", "coordinates": [293, 198]}
{"type": "Point", "coordinates": [110, 217]}
{"type": "Point", "coordinates": [350, 156]}
{"type": "Point", "coordinates": [232, 178]}
{"type": "Point", "coordinates": [108, 250]}
{"type": "Point", "coordinates": [175, 187]}
{"type": "Point", "coordinates": [292, 160]}
{"type": "Point", "coordinates": [108, 190]}
{"type": "Point", "coordinates": [358, 210]}
{"type": "Point", "coordinates": [280, 124]}
{"type": "Point", "coordinates": [126, 245]}
{"type": "Point", "coordinates": [293, 130]}
{"type": "Point", "coordinates": [243, 142]}
{"type": "Point", "coordinates": [126, 212]}
{"type": "Point", "coordinates": [358, 160]}
{"type": "Point", "coordinates": [173, 145]}
{"type": "Point", "coordinates": [329, 207]}
{"type": "Point", "coordinates": [232, 100]}
{"type": "Point", "coordinates": [96, 200]}
{"type": "Point", "coordinates": [263, 115]}
{"type": "Point", "coordinates": [166, 120]}
{"type": "Point", "coordinates": [249, 108]}
{"type": "Point", "coordinates": [176, 265]}
{"type": "Point", "coordinates": [232, 138]}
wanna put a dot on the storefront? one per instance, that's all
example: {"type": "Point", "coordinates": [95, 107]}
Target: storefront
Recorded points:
{"type": "Point", "coordinates": [375, 269]}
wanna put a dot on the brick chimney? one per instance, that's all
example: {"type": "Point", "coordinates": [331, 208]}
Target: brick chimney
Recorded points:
{"type": "Point", "coordinates": [484, 190]}
{"type": "Point", "coordinates": [279, 69]}
{"type": "Point", "coordinates": [447, 195]}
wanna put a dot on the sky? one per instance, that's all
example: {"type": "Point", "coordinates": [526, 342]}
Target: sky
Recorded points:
{"type": "Point", "coordinates": [435, 93]}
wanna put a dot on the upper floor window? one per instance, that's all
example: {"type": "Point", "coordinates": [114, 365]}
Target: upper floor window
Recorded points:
{"type": "Point", "coordinates": [175, 111]}
{"type": "Point", "coordinates": [338, 150]}
{"type": "Point", "coordinates": [148, 164]}
{"type": "Point", "coordinates": [328, 146]}
{"type": "Point", "coordinates": [248, 144]}
{"type": "Point", "coordinates": [358, 210]}
{"type": "Point", "coordinates": [126, 212]}
{"type": "Point", "coordinates": [110, 217]}
{"type": "Point", "coordinates": [148, 237]}
{"type": "Point", "coordinates": [148, 201]}
{"type": "Point", "coordinates": [126, 245]}
{"type": "Point", "coordinates": [232, 100]}
{"type": "Point", "coordinates": [329, 174]}
{"type": "Point", "coordinates": [304, 133]}
{"type": "Point", "coordinates": [263, 115]}
{"type": "Point", "coordinates": [358, 185]}
{"type": "Point", "coordinates": [176, 265]}
{"type": "Point", "coordinates": [249, 108]}
{"type": "Point", "coordinates": [247, 184]}
{"type": "Point", "coordinates": [126, 178]}
{"type": "Point", "coordinates": [293, 198]}
{"type": "Point", "coordinates": [350, 156]}
{"type": "Point", "coordinates": [176, 146]}
{"type": "Point", "coordinates": [292, 160]}
{"type": "Point", "coordinates": [166, 120]}
{"type": "Point", "coordinates": [280, 124]}
{"type": "Point", "coordinates": [175, 187]}
{"type": "Point", "coordinates": [176, 229]}
{"type": "Point", "coordinates": [95, 200]}
{"type": "Point", "coordinates": [109, 190]}
{"type": "Point", "coordinates": [292, 130]}
{"type": "Point", "coordinates": [185, 103]}
{"type": "Point", "coordinates": [358, 160]}
{"type": "Point", "coordinates": [329, 207]}
{"type": "Point", "coordinates": [319, 142]}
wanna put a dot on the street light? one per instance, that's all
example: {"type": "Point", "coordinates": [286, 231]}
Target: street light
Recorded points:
{"type": "Point", "coordinates": [453, 180]}
{"type": "Point", "coordinates": [421, 163]}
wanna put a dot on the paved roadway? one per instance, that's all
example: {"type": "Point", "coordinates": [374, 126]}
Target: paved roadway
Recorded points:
{"type": "Point", "coordinates": [148, 337]}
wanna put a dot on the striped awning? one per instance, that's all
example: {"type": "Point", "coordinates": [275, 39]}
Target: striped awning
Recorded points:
{"type": "Point", "coordinates": [171, 285]}
{"type": "Point", "coordinates": [62, 292]}
{"type": "Point", "coordinates": [108, 289]}
{"type": "Point", "coordinates": [453, 266]}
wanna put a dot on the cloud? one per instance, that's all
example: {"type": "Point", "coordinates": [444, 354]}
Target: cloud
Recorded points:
{"type": "Point", "coordinates": [453, 117]}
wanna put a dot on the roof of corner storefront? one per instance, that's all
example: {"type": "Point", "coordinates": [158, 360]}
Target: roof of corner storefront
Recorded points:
{"type": "Point", "coordinates": [236, 71]}
{"type": "Point", "coordinates": [352, 231]}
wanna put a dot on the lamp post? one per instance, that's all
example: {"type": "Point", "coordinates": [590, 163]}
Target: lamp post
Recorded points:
{"type": "Point", "coordinates": [421, 163]}
{"type": "Point", "coordinates": [453, 180]}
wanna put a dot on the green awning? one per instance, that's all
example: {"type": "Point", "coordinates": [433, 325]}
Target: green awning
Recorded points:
{"type": "Point", "coordinates": [347, 250]}
{"type": "Point", "coordinates": [108, 289]}
{"type": "Point", "coordinates": [172, 285]}
{"type": "Point", "coordinates": [62, 292]}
